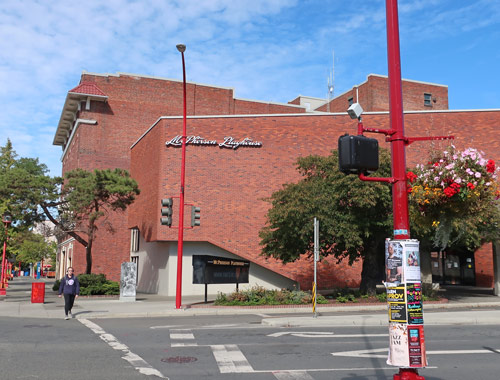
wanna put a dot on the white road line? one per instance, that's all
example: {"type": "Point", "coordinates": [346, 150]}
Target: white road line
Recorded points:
{"type": "Point", "coordinates": [230, 359]}
{"type": "Point", "coordinates": [181, 336]}
{"type": "Point", "coordinates": [135, 360]}
{"type": "Point", "coordinates": [184, 345]}
{"type": "Point", "coordinates": [287, 375]}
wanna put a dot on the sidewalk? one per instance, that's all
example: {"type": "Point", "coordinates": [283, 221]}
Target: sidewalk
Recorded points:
{"type": "Point", "coordinates": [465, 305]}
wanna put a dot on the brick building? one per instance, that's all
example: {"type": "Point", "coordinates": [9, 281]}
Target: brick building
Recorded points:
{"type": "Point", "coordinates": [244, 151]}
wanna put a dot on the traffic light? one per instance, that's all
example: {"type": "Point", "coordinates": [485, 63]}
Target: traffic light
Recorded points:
{"type": "Point", "coordinates": [166, 211]}
{"type": "Point", "coordinates": [357, 154]}
{"type": "Point", "coordinates": [195, 216]}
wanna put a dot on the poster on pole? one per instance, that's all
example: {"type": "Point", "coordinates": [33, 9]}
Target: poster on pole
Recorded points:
{"type": "Point", "coordinates": [398, 348]}
{"type": "Point", "coordinates": [414, 304]}
{"type": "Point", "coordinates": [416, 346]}
{"type": "Point", "coordinates": [396, 299]}
{"type": "Point", "coordinates": [393, 262]}
{"type": "Point", "coordinates": [411, 261]}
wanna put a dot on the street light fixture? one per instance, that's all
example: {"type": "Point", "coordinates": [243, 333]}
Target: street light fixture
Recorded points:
{"type": "Point", "coordinates": [7, 219]}
{"type": "Point", "coordinates": [178, 294]}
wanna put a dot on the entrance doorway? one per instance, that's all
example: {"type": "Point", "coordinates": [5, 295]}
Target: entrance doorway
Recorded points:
{"type": "Point", "coordinates": [453, 268]}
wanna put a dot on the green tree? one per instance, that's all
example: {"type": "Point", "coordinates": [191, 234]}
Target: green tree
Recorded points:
{"type": "Point", "coordinates": [30, 247]}
{"type": "Point", "coordinates": [355, 217]}
{"type": "Point", "coordinates": [86, 201]}
{"type": "Point", "coordinates": [77, 204]}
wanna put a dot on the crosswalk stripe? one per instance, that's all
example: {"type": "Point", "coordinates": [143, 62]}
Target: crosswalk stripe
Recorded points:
{"type": "Point", "coordinates": [230, 359]}
{"type": "Point", "coordinates": [296, 375]}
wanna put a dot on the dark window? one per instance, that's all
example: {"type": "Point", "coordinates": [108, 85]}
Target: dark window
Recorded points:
{"type": "Point", "coordinates": [427, 99]}
{"type": "Point", "coordinates": [350, 100]}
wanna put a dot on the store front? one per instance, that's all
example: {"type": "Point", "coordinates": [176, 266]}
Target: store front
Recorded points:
{"type": "Point", "coordinates": [453, 268]}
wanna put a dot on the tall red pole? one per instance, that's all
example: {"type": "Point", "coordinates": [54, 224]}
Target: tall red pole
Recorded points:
{"type": "Point", "coordinates": [6, 220]}
{"type": "Point", "coordinates": [178, 294]}
{"type": "Point", "coordinates": [399, 194]}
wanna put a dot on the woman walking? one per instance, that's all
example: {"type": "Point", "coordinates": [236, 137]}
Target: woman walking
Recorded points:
{"type": "Point", "coordinates": [70, 287]}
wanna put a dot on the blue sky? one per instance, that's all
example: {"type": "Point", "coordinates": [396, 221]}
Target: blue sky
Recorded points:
{"type": "Point", "coordinates": [269, 50]}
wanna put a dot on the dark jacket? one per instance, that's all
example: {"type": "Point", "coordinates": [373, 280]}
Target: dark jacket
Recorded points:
{"type": "Point", "coordinates": [69, 285]}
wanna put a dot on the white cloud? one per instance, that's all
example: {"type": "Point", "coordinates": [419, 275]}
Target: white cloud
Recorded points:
{"type": "Point", "coordinates": [264, 49]}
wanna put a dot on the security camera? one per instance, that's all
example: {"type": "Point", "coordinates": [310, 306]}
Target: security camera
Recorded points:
{"type": "Point", "coordinates": [355, 110]}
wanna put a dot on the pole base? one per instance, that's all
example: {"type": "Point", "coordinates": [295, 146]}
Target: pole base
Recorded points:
{"type": "Point", "coordinates": [407, 374]}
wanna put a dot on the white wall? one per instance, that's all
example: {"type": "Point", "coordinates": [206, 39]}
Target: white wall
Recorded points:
{"type": "Point", "coordinates": [157, 270]}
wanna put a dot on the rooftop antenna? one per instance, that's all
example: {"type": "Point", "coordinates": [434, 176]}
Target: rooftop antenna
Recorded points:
{"type": "Point", "coordinates": [331, 79]}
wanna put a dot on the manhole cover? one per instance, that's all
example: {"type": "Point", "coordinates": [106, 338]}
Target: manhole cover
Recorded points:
{"type": "Point", "coordinates": [179, 359]}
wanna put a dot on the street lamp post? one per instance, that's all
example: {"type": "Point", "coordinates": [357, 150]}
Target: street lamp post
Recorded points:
{"type": "Point", "coordinates": [178, 294]}
{"type": "Point", "coordinates": [7, 219]}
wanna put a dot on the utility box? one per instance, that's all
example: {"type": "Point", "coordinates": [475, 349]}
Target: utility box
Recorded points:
{"type": "Point", "coordinates": [358, 154]}
{"type": "Point", "coordinates": [38, 292]}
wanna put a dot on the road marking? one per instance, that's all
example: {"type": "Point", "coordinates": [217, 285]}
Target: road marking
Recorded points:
{"type": "Point", "coordinates": [288, 375]}
{"type": "Point", "coordinates": [230, 359]}
{"type": "Point", "coordinates": [322, 334]}
{"type": "Point", "coordinates": [181, 336]}
{"type": "Point", "coordinates": [135, 360]}
{"type": "Point", "coordinates": [363, 353]}
{"type": "Point", "coordinates": [374, 352]}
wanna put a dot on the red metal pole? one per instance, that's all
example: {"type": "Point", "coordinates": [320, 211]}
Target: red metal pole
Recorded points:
{"type": "Point", "coordinates": [398, 164]}
{"type": "Point", "coordinates": [3, 292]}
{"type": "Point", "coordinates": [399, 195]}
{"type": "Point", "coordinates": [178, 294]}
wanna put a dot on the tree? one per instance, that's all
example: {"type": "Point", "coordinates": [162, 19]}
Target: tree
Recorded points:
{"type": "Point", "coordinates": [30, 247]}
{"type": "Point", "coordinates": [86, 201]}
{"type": "Point", "coordinates": [355, 217]}
{"type": "Point", "coordinates": [76, 204]}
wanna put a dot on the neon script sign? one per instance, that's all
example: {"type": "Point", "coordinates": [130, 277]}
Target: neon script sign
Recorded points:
{"type": "Point", "coordinates": [228, 142]}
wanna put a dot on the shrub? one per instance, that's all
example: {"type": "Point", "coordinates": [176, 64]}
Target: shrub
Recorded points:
{"type": "Point", "coordinates": [258, 295]}
{"type": "Point", "coordinates": [94, 284]}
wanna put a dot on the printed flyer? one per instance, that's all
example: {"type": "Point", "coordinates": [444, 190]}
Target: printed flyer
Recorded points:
{"type": "Point", "coordinates": [393, 262]}
{"type": "Point", "coordinates": [414, 304]}
{"type": "Point", "coordinates": [398, 348]}
{"type": "Point", "coordinates": [416, 346]}
{"type": "Point", "coordinates": [411, 262]}
{"type": "Point", "coordinates": [396, 304]}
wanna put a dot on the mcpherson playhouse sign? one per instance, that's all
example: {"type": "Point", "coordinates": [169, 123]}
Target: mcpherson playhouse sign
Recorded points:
{"type": "Point", "coordinates": [228, 142]}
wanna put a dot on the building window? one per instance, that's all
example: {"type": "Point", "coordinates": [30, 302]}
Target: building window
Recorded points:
{"type": "Point", "coordinates": [350, 101]}
{"type": "Point", "coordinates": [134, 240]}
{"type": "Point", "coordinates": [427, 100]}
{"type": "Point", "coordinates": [135, 259]}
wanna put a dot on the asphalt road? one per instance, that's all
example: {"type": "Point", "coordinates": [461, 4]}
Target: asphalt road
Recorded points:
{"type": "Point", "coordinates": [229, 347]}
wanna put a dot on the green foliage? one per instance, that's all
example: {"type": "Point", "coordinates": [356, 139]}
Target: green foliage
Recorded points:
{"type": "Point", "coordinates": [74, 204]}
{"type": "Point", "coordinates": [94, 284]}
{"type": "Point", "coordinates": [88, 280]}
{"type": "Point", "coordinates": [355, 216]}
{"type": "Point", "coordinates": [258, 295]}
{"type": "Point", "coordinates": [30, 247]}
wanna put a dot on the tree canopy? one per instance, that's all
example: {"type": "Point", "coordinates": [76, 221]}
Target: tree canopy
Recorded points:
{"type": "Point", "coordinates": [77, 204]}
{"type": "Point", "coordinates": [355, 216]}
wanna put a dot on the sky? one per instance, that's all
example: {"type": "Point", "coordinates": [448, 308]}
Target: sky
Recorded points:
{"type": "Point", "coordinates": [268, 50]}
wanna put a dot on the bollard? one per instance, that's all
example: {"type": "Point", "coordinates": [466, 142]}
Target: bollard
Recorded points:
{"type": "Point", "coordinates": [37, 292]}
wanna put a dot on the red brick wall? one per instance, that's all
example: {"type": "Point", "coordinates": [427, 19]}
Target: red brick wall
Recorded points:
{"type": "Point", "coordinates": [483, 259]}
{"type": "Point", "coordinates": [373, 95]}
{"type": "Point", "coordinates": [229, 185]}
{"type": "Point", "coordinates": [134, 104]}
